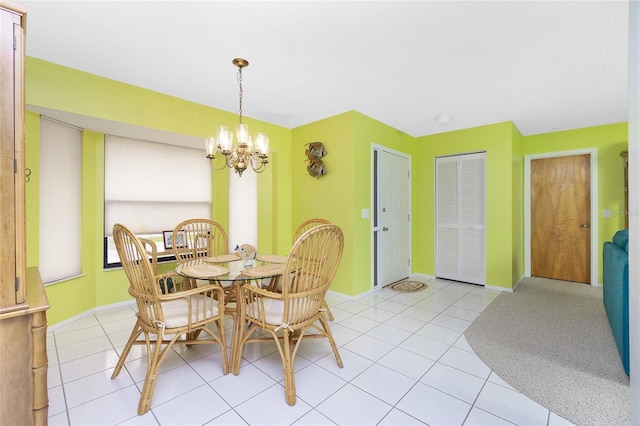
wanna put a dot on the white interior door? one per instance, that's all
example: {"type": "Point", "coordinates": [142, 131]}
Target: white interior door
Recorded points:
{"type": "Point", "coordinates": [460, 218]}
{"type": "Point", "coordinates": [394, 221]}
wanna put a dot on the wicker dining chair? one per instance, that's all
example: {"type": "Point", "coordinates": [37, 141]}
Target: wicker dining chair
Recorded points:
{"type": "Point", "coordinates": [151, 249]}
{"type": "Point", "coordinates": [287, 315]}
{"type": "Point", "coordinates": [302, 228]}
{"type": "Point", "coordinates": [195, 238]}
{"type": "Point", "coordinates": [308, 224]}
{"type": "Point", "coordinates": [165, 319]}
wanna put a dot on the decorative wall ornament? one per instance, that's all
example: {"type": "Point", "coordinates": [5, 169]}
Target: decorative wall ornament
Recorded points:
{"type": "Point", "coordinates": [315, 152]}
{"type": "Point", "coordinates": [316, 168]}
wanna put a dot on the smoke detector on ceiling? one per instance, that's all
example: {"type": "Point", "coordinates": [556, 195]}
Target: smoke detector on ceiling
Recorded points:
{"type": "Point", "coordinates": [442, 119]}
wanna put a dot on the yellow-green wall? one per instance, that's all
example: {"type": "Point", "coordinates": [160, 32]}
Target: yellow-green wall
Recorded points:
{"type": "Point", "coordinates": [517, 206]}
{"type": "Point", "coordinates": [368, 132]}
{"type": "Point", "coordinates": [498, 142]}
{"type": "Point", "coordinates": [609, 141]}
{"type": "Point", "coordinates": [288, 195]}
{"type": "Point", "coordinates": [64, 89]}
{"type": "Point", "coordinates": [330, 196]}
{"type": "Point", "coordinates": [346, 189]}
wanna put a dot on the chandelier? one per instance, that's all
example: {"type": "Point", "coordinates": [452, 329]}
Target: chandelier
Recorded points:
{"type": "Point", "coordinates": [246, 152]}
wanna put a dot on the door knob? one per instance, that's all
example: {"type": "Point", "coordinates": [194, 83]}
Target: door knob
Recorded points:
{"type": "Point", "coordinates": [385, 229]}
{"type": "Point", "coordinates": [585, 225]}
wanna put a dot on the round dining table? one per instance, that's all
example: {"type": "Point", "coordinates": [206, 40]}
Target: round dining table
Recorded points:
{"type": "Point", "coordinates": [231, 272]}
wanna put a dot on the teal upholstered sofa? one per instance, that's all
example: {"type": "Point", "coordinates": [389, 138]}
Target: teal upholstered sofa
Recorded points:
{"type": "Point", "coordinates": [616, 291]}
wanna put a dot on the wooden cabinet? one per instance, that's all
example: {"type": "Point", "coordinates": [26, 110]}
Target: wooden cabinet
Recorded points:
{"type": "Point", "coordinates": [23, 303]}
{"type": "Point", "coordinates": [12, 185]}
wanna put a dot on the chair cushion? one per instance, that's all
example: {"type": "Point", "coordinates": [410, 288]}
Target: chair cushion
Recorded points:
{"type": "Point", "coordinates": [176, 312]}
{"type": "Point", "coordinates": [273, 310]}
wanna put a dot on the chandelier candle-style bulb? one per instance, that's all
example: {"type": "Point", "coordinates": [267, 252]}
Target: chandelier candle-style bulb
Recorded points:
{"type": "Point", "coordinates": [242, 133]}
{"type": "Point", "coordinates": [211, 147]}
{"type": "Point", "coordinates": [262, 144]}
{"type": "Point", "coordinates": [225, 139]}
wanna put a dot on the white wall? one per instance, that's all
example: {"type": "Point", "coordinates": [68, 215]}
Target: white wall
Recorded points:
{"type": "Point", "coordinates": [243, 209]}
{"type": "Point", "coordinates": [634, 207]}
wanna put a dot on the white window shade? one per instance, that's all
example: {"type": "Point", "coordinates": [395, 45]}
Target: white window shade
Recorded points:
{"type": "Point", "coordinates": [60, 201]}
{"type": "Point", "coordinates": [151, 187]}
{"type": "Point", "coordinates": [152, 217]}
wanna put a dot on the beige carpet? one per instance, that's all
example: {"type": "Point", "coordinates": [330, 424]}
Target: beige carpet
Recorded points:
{"type": "Point", "coordinates": [551, 341]}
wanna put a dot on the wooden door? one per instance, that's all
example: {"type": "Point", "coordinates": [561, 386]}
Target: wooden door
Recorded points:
{"type": "Point", "coordinates": [560, 218]}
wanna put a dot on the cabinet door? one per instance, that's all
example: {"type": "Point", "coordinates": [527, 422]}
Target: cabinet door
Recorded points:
{"type": "Point", "coordinates": [12, 176]}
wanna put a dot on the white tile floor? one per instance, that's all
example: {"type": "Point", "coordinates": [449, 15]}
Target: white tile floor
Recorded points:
{"type": "Point", "coordinates": [406, 361]}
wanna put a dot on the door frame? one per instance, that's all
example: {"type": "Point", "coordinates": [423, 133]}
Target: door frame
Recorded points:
{"type": "Point", "coordinates": [375, 214]}
{"type": "Point", "coordinates": [593, 152]}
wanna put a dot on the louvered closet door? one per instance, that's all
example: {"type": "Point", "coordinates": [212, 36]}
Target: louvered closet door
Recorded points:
{"type": "Point", "coordinates": [460, 218]}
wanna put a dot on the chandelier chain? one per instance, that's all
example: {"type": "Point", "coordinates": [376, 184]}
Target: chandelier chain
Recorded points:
{"type": "Point", "coordinates": [240, 82]}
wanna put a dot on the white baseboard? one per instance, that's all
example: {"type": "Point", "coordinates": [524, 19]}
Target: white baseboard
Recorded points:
{"type": "Point", "coordinates": [423, 277]}
{"type": "Point", "coordinates": [89, 312]}
{"type": "Point", "coordinates": [495, 287]}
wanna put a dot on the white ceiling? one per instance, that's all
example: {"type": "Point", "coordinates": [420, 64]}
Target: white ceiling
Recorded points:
{"type": "Point", "coordinates": [545, 65]}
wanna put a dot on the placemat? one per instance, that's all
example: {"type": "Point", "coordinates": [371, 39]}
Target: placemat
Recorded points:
{"type": "Point", "coordinates": [204, 271]}
{"type": "Point", "coordinates": [223, 258]}
{"type": "Point", "coordinates": [263, 271]}
{"type": "Point", "coordinates": [272, 258]}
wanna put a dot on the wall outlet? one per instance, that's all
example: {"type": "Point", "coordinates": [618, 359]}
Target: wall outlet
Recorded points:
{"type": "Point", "coordinates": [606, 213]}
{"type": "Point", "coordinates": [365, 213]}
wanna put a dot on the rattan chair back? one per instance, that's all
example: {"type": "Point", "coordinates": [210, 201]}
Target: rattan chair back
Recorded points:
{"type": "Point", "coordinates": [195, 238]}
{"type": "Point", "coordinates": [308, 224]}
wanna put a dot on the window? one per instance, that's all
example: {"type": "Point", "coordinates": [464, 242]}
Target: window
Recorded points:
{"type": "Point", "coordinates": [150, 187]}
{"type": "Point", "coordinates": [60, 201]}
